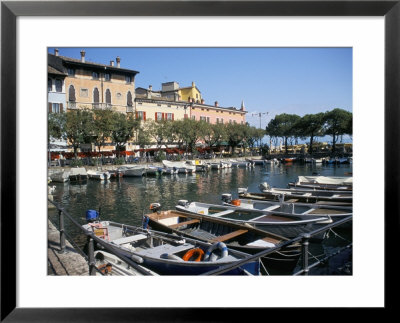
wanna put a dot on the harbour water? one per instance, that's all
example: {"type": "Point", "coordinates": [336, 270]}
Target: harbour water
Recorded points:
{"type": "Point", "coordinates": [127, 199]}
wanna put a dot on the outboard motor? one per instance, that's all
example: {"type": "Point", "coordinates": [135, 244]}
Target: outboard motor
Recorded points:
{"type": "Point", "coordinates": [92, 216]}
{"type": "Point", "coordinates": [227, 198]}
{"type": "Point", "coordinates": [155, 207]}
{"type": "Point", "coordinates": [242, 190]}
{"type": "Point", "coordinates": [264, 187]}
{"type": "Point", "coordinates": [183, 203]}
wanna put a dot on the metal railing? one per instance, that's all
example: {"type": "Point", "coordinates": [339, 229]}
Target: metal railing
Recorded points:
{"type": "Point", "coordinates": [304, 239]}
{"type": "Point", "coordinates": [91, 239]}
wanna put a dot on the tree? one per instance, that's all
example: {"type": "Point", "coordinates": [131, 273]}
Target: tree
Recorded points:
{"type": "Point", "coordinates": [311, 125]}
{"type": "Point", "coordinates": [214, 135]}
{"type": "Point", "coordinates": [124, 127]}
{"type": "Point", "coordinates": [254, 135]}
{"type": "Point", "coordinates": [55, 128]}
{"type": "Point", "coordinates": [283, 125]}
{"type": "Point", "coordinates": [102, 127]}
{"type": "Point", "coordinates": [338, 122]}
{"type": "Point", "coordinates": [79, 128]}
{"type": "Point", "coordinates": [236, 134]}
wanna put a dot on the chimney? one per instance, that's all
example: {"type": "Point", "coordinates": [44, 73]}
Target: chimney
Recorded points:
{"type": "Point", "coordinates": [83, 56]}
{"type": "Point", "coordinates": [150, 88]}
{"type": "Point", "coordinates": [56, 51]}
{"type": "Point", "coordinates": [202, 101]}
{"type": "Point", "coordinates": [216, 103]}
{"type": "Point", "coordinates": [118, 61]}
{"type": "Point", "coordinates": [193, 85]}
{"type": "Point", "coordinates": [111, 63]}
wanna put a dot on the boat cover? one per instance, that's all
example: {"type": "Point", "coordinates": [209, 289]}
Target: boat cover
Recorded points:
{"type": "Point", "coordinates": [325, 180]}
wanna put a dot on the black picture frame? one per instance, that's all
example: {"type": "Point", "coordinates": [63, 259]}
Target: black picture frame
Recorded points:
{"type": "Point", "coordinates": [10, 10]}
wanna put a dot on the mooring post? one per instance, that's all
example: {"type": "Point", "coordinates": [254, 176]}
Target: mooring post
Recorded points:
{"type": "Point", "coordinates": [92, 265]}
{"type": "Point", "coordinates": [62, 231]}
{"type": "Point", "coordinates": [304, 250]}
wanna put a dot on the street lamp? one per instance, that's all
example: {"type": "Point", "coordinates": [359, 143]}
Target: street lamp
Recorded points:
{"type": "Point", "coordinates": [259, 114]}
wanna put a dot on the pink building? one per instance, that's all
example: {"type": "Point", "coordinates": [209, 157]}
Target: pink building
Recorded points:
{"type": "Point", "coordinates": [216, 114]}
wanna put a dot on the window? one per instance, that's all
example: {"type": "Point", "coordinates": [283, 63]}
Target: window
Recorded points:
{"type": "Point", "coordinates": [129, 102]}
{"type": "Point", "coordinates": [203, 119]}
{"type": "Point", "coordinates": [108, 97]}
{"type": "Point", "coordinates": [128, 79]}
{"type": "Point", "coordinates": [95, 75]}
{"type": "Point", "coordinates": [141, 115]}
{"type": "Point", "coordinates": [208, 119]}
{"type": "Point", "coordinates": [49, 85]}
{"type": "Point", "coordinates": [71, 94]}
{"type": "Point", "coordinates": [59, 85]}
{"type": "Point", "coordinates": [170, 116]}
{"type": "Point", "coordinates": [107, 76]}
{"type": "Point", "coordinates": [193, 117]}
{"type": "Point", "coordinates": [96, 99]}
{"type": "Point", "coordinates": [71, 71]}
{"type": "Point", "coordinates": [222, 120]}
{"type": "Point", "coordinates": [84, 93]}
{"type": "Point", "coordinates": [159, 116]}
{"type": "Point", "coordinates": [55, 107]}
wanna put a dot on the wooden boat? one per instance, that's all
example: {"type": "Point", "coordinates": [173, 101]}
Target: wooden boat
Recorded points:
{"type": "Point", "coordinates": [304, 195]}
{"type": "Point", "coordinates": [78, 174]}
{"type": "Point", "coordinates": [236, 236]}
{"type": "Point", "coordinates": [286, 225]}
{"type": "Point", "coordinates": [335, 212]}
{"type": "Point", "coordinates": [168, 254]}
{"type": "Point", "coordinates": [99, 175]}
{"type": "Point", "coordinates": [132, 170]}
{"type": "Point", "coordinates": [110, 265]}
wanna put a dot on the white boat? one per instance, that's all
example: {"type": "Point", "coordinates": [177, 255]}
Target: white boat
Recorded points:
{"type": "Point", "coordinates": [60, 177]}
{"type": "Point", "coordinates": [239, 163]}
{"type": "Point", "coordinates": [256, 161]}
{"type": "Point", "coordinates": [132, 170]}
{"type": "Point", "coordinates": [180, 165]}
{"type": "Point", "coordinates": [170, 170]}
{"type": "Point", "coordinates": [215, 165]}
{"type": "Point", "coordinates": [324, 182]}
{"type": "Point", "coordinates": [110, 265]}
{"type": "Point", "coordinates": [226, 164]}
{"type": "Point", "coordinates": [287, 225]}
{"type": "Point", "coordinates": [99, 175]}
{"type": "Point", "coordinates": [294, 196]}
{"type": "Point", "coordinates": [335, 212]}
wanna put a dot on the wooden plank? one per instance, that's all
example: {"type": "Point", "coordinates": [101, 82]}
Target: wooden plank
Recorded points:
{"type": "Point", "coordinates": [177, 225]}
{"type": "Point", "coordinates": [229, 235]}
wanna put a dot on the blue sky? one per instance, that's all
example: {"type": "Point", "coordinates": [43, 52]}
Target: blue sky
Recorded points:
{"type": "Point", "coordinates": [273, 80]}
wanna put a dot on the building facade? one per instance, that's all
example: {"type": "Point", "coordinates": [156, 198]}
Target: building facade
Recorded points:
{"type": "Point", "coordinates": [97, 86]}
{"type": "Point", "coordinates": [215, 114]}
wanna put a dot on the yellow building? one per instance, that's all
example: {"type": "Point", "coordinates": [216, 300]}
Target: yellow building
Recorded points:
{"type": "Point", "coordinates": [190, 93]}
{"type": "Point", "coordinates": [98, 86]}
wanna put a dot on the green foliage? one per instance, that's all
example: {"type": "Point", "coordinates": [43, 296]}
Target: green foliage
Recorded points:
{"type": "Point", "coordinates": [338, 122]}
{"type": "Point", "coordinates": [160, 156]}
{"type": "Point", "coordinates": [79, 128]}
{"type": "Point", "coordinates": [103, 121]}
{"type": "Point", "coordinates": [124, 127]}
{"type": "Point", "coordinates": [283, 125]}
{"type": "Point", "coordinates": [311, 125]}
{"type": "Point", "coordinates": [76, 163]}
{"type": "Point", "coordinates": [56, 126]}
{"type": "Point", "coordinates": [119, 161]}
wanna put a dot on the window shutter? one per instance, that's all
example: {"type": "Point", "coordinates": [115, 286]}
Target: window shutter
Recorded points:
{"type": "Point", "coordinates": [172, 117]}
{"type": "Point", "coordinates": [185, 116]}
{"type": "Point", "coordinates": [61, 108]}
{"type": "Point", "coordinates": [144, 115]}
{"type": "Point", "coordinates": [163, 116]}
{"type": "Point", "coordinates": [155, 118]}
{"type": "Point", "coordinates": [50, 109]}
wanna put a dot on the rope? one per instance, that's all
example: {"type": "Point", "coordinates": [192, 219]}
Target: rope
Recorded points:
{"type": "Point", "coordinates": [339, 236]}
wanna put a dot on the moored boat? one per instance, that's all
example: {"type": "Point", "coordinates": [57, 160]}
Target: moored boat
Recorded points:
{"type": "Point", "coordinates": [168, 254]}
{"type": "Point", "coordinates": [99, 175]}
{"type": "Point", "coordinates": [132, 170]}
{"type": "Point", "coordinates": [287, 225]}
{"type": "Point", "coordinates": [324, 182]}
{"type": "Point", "coordinates": [60, 177]}
{"type": "Point", "coordinates": [78, 174]}
{"type": "Point", "coordinates": [236, 236]}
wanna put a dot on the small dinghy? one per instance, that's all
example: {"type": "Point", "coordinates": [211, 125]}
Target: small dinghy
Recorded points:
{"type": "Point", "coordinates": [167, 254]}
{"type": "Point", "coordinates": [132, 170]}
{"type": "Point", "coordinates": [324, 183]}
{"type": "Point", "coordinates": [78, 174]}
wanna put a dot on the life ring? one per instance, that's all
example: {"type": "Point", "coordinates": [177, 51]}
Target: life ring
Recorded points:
{"type": "Point", "coordinates": [209, 254]}
{"type": "Point", "coordinates": [196, 252]}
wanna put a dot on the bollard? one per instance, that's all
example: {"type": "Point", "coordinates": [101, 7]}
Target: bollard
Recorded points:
{"type": "Point", "coordinates": [92, 264]}
{"type": "Point", "coordinates": [304, 251]}
{"type": "Point", "coordinates": [62, 232]}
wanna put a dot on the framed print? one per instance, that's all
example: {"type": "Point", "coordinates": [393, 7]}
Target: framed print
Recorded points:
{"type": "Point", "coordinates": [371, 28]}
